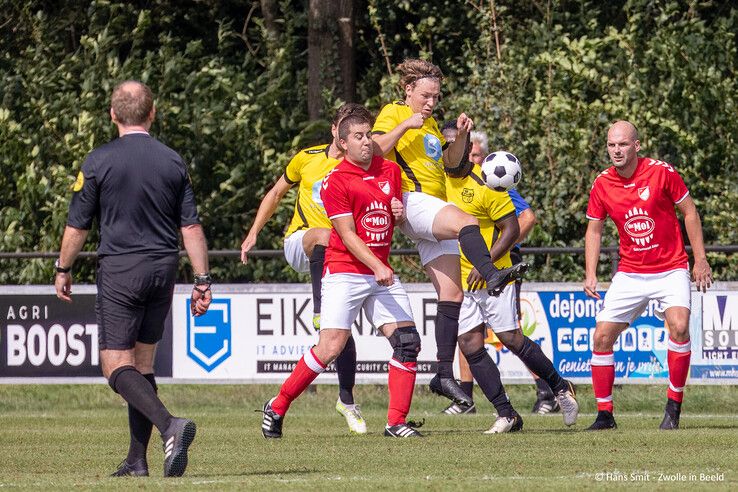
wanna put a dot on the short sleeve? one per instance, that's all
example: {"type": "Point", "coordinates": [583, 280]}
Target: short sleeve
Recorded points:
{"type": "Point", "coordinates": [293, 172]}
{"type": "Point", "coordinates": [595, 207]}
{"type": "Point", "coordinates": [335, 197]}
{"type": "Point", "coordinates": [675, 187]}
{"type": "Point", "coordinates": [387, 119]}
{"type": "Point", "coordinates": [188, 207]}
{"type": "Point", "coordinates": [518, 202]}
{"type": "Point", "coordinates": [397, 178]}
{"type": "Point", "coordinates": [86, 198]}
{"type": "Point", "coordinates": [498, 205]}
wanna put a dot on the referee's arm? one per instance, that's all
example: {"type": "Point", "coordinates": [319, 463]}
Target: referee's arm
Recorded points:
{"type": "Point", "coordinates": [197, 248]}
{"type": "Point", "coordinates": [72, 243]}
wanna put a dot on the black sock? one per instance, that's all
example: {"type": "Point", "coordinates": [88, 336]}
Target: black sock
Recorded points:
{"type": "Point", "coordinates": [535, 360]}
{"type": "Point", "coordinates": [468, 388]}
{"type": "Point", "coordinates": [476, 250]}
{"type": "Point", "coordinates": [487, 375]}
{"type": "Point", "coordinates": [316, 274]}
{"type": "Point", "coordinates": [543, 387]}
{"type": "Point", "coordinates": [447, 330]}
{"type": "Point", "coordinates": [140, 428]}
{"type": "Point", "coordinates": [346, 370]}
{"type": "Point", "coordinates": [137, 391]}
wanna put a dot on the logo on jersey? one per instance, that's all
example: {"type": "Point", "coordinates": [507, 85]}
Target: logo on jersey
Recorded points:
{"type": "Point", "coordinates": [432, 147]}
{"type": "Point", "coordinates": [376, 221]}
{"type": "Point", "coordinates": [639, 226]}
{"type": "Point", "coordinates": [385, 187]}
{"type": "Point", "coordinates": [316, 192]}
{"type": "Point", "coordinates": [79, 182]}
{"type": "Point", "coordinates": [644, 193]}
{"type": "Point", "coordinates": [467, 195]}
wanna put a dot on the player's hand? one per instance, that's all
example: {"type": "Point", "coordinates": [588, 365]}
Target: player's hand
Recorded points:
{"type": "Point", "coordinates": [464, 123]}
{"type": "Point", "coordinates": [415, 121]}
{"type": "Point", "coordinates": [590, 287]}
{"type": "Point", "coordinates": [398, 209]}
{"type": "Point", "coordinates": [246, 246]}
{"type": "Point", "coordinates": [63, 285]}
{"type": "Point", "coordinates": [475, 280]}
{"type": "Point", "coordinates": [384, 276]}
{"type": "Point", "coordinates": [702, 275]}
{"type": "Point", "coordinates": [200, 299]}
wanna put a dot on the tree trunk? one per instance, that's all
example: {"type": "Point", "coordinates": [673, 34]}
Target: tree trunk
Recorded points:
{"type": "Point", "coordinates": [269, 11]}
{"type": "Point", "coordinates": [331, 63]}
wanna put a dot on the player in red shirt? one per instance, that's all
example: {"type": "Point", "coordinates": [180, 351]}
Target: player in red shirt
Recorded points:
{"type": "Point", "coordinates": [639, 195]}
{"type": "Point", "coordinates": [362, 197]}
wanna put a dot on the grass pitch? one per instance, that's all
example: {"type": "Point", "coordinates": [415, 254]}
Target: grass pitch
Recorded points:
{"type": "Point", "coordinates": [63, 437]}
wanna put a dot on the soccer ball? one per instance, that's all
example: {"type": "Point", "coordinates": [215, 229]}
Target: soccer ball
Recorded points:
{"type": "Point", "coordinates": [501, 170]}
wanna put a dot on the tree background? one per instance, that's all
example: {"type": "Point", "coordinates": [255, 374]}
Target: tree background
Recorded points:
{"type": "Point", "coordinates": [241, 85]}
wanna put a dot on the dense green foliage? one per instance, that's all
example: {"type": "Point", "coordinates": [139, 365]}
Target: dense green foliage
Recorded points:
{"type": "Point", "coordinates": [72, 436]}
{"type": "Point", "coordinates": [231, 100]}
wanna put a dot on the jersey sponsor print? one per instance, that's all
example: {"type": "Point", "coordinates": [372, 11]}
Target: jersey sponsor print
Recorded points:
{"type": "Point", "coordinates": [643, 209]}
{"type": "Point", "coordinates": [364, 195]}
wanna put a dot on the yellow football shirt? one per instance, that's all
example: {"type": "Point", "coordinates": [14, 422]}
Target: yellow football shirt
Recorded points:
{"type": "Point", "coordinates": [419, 152]}
{"type": "Point", "coordinates": [472, 196]}
{"type": "Point", "coordinates": [307, 169]}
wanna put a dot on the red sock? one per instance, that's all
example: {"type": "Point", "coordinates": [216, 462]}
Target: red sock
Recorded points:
{"type": "Point", "coordinates": [603, 377]}
{"type": "Point", "coordinates": [304, 373]}
{"type": "Point", "coordinates": [678, 357]}
{"type": "Point", "coordinates": [401, 385]}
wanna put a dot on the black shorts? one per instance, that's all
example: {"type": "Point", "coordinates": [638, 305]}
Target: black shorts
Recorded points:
{"type": "Point", "coordinates": [134, 296]}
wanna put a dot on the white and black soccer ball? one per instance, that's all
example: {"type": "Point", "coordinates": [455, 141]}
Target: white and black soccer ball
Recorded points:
{"type": "Point", "coordinates": [501, 170]}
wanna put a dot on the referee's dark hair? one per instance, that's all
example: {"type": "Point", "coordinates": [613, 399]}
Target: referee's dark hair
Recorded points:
{"type": "Point", "coordinates": [132, 102]}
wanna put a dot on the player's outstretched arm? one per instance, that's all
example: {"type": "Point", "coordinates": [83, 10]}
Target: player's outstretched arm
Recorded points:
{"type": "Point", "coordinates": [701, 272]}
{"type": "Point", "coordinates": [267, 207]}
{"type": "Point", "coordinates": [346, 230]}
{"type": "Point", "coordinates": [384, 142]}
{"type": "Point", "coordinates": [592, 243]}
{"type": "Point", "coordinates": [72, 243]}
{"type": "Point", "coordinates": [455, 151]}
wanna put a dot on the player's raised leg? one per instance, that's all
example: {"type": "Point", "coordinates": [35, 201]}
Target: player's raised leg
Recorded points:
{"type": "Point", "coordinates": [453, 223]}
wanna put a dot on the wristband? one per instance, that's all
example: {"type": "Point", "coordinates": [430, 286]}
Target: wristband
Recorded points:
{"type": "Point", "coordinates": [61, 269]}
{"type": "Point", "coordinates": [203, 279]}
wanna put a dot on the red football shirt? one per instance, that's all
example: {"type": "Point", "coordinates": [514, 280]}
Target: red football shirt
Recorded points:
{"type": "Point", "coordinates": [642, 208]}
{"type": "Point", "coordinates": [348, 190]}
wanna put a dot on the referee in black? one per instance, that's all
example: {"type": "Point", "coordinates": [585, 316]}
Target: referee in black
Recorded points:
{"type": "Point", "coordinates": [140, 193]}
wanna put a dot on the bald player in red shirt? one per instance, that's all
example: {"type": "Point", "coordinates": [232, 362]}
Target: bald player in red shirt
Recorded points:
{"type": "Point", "coordinates": [363, 198]}
{"type": "Point", "coordinates": [640, 195]}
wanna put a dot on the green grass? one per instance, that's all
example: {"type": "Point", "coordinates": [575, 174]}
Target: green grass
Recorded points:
{"type": "Point", "coordinates": [59, 437]}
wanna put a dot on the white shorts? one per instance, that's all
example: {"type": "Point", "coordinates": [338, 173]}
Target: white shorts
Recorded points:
{"type": "Point", "coordinates": [344, 294]}
{"type": "Point", "coordinates": [421, 209]}
{"type": "Point", "coordinates": [499, 313]}
{"type": "Point", "coordinates": [294, 253]}
{"type": "Point", "coordinates": [629, 294]}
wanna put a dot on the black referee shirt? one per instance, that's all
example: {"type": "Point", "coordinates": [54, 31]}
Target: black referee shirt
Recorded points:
{"type": "Point", "coordinates": [140, 191]}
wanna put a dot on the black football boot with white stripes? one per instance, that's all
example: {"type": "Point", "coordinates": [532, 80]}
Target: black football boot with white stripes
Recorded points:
{"type": "Point", "coordinates": [271, 425]}
{"type": "Point", "coordinates": [177, 439]}
{"type": "Point", "coordinates": [402, 430]}
{"type": "Point", "coordinates": [137, 469]}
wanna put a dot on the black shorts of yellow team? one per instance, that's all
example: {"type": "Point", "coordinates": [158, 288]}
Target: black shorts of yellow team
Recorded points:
{"type": "Point", "coordinates": [134, 296]}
